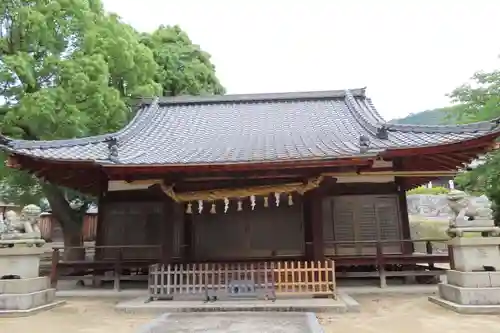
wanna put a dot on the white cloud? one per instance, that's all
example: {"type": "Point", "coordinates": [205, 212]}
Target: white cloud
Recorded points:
{"type": "Point", "coordinates": [408, 53]}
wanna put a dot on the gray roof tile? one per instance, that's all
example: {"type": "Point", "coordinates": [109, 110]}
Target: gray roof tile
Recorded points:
{"type": "Point", "coordinates": [250, 128]}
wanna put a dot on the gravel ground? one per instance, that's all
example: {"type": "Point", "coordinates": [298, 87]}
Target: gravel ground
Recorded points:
{"type": "Point", "coordinates": [408, 314]}
{"type": "Point", "coordinates": [387, 314]}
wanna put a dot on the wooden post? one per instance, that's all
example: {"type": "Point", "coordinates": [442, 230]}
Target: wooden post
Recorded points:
{"type": "Point", "coordinates": [118, 269]}
{"type": "Point", "coordinates": [313, 226]}
{"type": "Point", "coordinates": [167, 231]}
{"type": "Point", "coordinates": [306, 219]}
{"type": "Point", "coordinates": [450, 255]}
{"type": "Point", "coordinates": [381, 265]}
{"type": "Point", "coordinates": [54, 274]}
{"type": "Point", "coordinates": [187, 244]}
{"type": "Point", "coordinates": [408, 247]}
{"type": "Point", "coordinates": [101, 208]}
{"type": "Point", "coordinates": [429, 250]}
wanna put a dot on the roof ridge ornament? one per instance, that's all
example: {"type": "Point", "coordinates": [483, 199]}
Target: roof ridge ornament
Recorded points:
{"type": "Point", "coordinates": [364, 144]}
{"type": "Point", "coordinates": [112, 149]}
{"type": "Point", "coordinates": [382, 132]}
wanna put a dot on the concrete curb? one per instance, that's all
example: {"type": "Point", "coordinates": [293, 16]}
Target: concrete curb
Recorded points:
{"type": "Point", "coordinates": [138, 305]}
{"type": "Point", "coordinates": [351, 304]}
{"type": "Point", "coordinates": [313, 323]}
{"type": "Point", "coordinates": [431, 289]}
{"type": "Point", "coordinates": [149, 327]}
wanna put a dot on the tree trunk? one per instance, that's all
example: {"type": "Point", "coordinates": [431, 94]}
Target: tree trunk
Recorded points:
{"type": "Point", "coordinates": [73, 245]}
{"type": "Point", "coordinates": [71, 222]}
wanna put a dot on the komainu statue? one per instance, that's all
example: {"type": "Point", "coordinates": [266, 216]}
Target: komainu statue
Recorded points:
{"type": "Point", "coordinates": [23, 229]}
{"type": "Point", "coordinates": [468, 216]}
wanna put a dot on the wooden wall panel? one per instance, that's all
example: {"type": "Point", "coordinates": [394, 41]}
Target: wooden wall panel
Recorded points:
{"type": "Point", "coordinates": [361, 218]}
{"type": "Point", "coordinates": [138, 223]}
{"type": "Point", "coordinates": [260, 233]}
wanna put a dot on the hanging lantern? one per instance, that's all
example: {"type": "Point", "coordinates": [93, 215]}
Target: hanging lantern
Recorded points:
{"type": "Point", "coordinates": [277, 197]}
{"type": "Point", "coordinates": [212, 210]}
{"type": "Point", "coordinates": [240, 206]}
{"type": "Point", "coordinates": [266, 201]}
{"type": "Point", "coordinates": [200, 206]}
{"type": "Point", "coordinates": [226, 205]}
{"type": "Point", "coordinates": [252, 201]}
{"type": "Point", "coordinates": [189, 208]}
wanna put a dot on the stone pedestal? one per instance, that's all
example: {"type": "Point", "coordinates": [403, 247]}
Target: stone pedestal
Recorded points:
{"type": "Point", "coordinates": [469, 287]}
{"type": "Point", "coordinates": [472, 254]}
{"type": "Point", "coordinates": [22, 261]}
{"type": "Point", "coordinates": [29, 293]}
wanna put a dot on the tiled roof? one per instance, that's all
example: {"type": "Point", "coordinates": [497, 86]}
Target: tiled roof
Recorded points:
{"type": "Point", "coordinates": [251, 128]}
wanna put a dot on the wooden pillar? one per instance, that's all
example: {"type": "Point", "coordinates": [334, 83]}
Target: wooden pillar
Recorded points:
{"type": "Point", "coordinates": [306, 218]}
{"type": "Point", "coordinates": [408, 247]}
{"type": "Point", "coordinates": [101, 209]}
{"type": "Point", "coordinates": [187, 236]}
{"type": "Point", "coordinates": [313, 225]}
{"type": "Point", "coordinates": [167, 231]}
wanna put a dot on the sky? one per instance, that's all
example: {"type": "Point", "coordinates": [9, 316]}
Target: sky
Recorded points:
{"type": "Point", "coordinates": [409, 54]}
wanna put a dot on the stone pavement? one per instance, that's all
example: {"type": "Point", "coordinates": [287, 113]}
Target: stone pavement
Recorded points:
{"type": "Point", "coordinates": [234, 322]}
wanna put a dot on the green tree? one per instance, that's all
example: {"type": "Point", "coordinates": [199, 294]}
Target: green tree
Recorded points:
{"type": "Point", "coordinates": [480, 100]}
{"type": "Point", "coordinates": [68, 69]}
{"type": "Point", "coordinates": [184, 69]}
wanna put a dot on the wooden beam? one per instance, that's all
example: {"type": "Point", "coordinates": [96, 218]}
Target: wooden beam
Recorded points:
{"type": "Point", "coordinates": [484, 143]}
{"type": "Point", "coordinates": [172, 177]}
{"type": "Point", "coordinates": [443, 160]}
{"type": "Point", "coordinates": [230, 184]}
{"type": "Point", "coordinates": [279, 165]}
{"type": "Point", "coordinates": [433, 173]}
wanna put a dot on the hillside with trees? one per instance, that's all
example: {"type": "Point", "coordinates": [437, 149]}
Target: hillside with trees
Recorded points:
{"type": "Point", "coordinates": [439, 116]}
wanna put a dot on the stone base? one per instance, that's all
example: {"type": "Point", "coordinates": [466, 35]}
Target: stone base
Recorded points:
{"type": "Point", "coordinates": [29, 312]}
{"type": "Point", "coordinates": [466, 309]}
{"type": "Point", "coordinates": [24, 296]}
{"type": "Point", "coordinates": [344, 303]}
{"type": "Point", "coordinates": [469, 296]}
{"type": "Point", "coordinates": [473, 279]}
{"type": "Point", "coordinates": [22, 261]}
{"type": "Point", "coordinates": [472, 254]}
{"type": "Point", "coordinates": [27, 301]}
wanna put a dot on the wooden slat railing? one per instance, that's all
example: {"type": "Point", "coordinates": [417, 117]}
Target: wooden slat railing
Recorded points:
{"type": "Point", "coordinates": [381, 259]}
{"type": "Point", "coordinates": [261, 280]}
{"type": "Point", "coordinates": [93, 265]}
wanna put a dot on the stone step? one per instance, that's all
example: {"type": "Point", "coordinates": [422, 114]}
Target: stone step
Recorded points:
{"type": "Point", "coordinates": [469, 296]}
{"type": "Point", "coordinates": [26, 301]}
{"type": "Point", "coordinates": [24, 286]}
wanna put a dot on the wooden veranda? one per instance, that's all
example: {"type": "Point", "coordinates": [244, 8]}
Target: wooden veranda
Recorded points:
{"type": "Point", "coordinates": [99, 268]}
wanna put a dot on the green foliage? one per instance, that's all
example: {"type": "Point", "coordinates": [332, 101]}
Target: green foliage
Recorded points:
{"type": "Point", "coordinates": [480, 99]}
{"type": "Point", "coordinates": [431, 191]}
{"type": "Point", "coordinates": [68, 69]}
{"type": "Point", "coordinates": [184, 69]}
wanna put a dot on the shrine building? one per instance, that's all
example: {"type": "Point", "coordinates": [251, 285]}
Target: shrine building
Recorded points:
{"type": "Point", "coordinates": [259, 177]}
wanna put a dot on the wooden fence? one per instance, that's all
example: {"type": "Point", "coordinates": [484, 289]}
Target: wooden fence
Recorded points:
{"type": "Point", "coordinates": [260, 280]}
